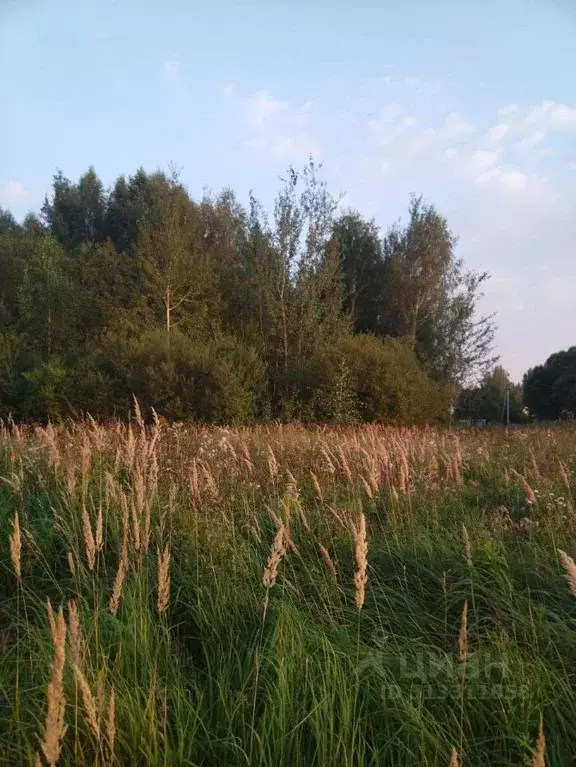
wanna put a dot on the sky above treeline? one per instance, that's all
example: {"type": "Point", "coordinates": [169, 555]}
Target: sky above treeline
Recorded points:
{"type": "Point", "coordinates": [471, 104]}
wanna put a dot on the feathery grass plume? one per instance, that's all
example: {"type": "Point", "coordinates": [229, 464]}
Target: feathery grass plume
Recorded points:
{"type": "Point", "coordinates": [70, 479]}
{"type": "Point", "coordinates": [316, 486]}
{"type": "Point", "coordinates": [529, 492]}
{"type": "Point", "coordinates": [135, 525]}
{"type": "Point", "coordinates": [367, 488]}
{"type": "Point", "coordinates": [193, 479]}
{"type": "Point", "coordinates": [467, 547]}
{"type": "Point", "coordinates": [111, 721]}
{"type": "Point", "coordinates": [122, 567]}
{"type": "Point", "coordinates": [100, 694]}
{"type": "Point", "coordinates": [570, 568]}
{"type": "Point", "coordinates": [404, 474]}
{"type": "Point", "coordinates": [129, 448]}
{"type": "Point", "coordinates": [16, 546]}
{"type": "Point", "coordinates": [54, 458]}
{"type": "Point", "coordinates": [272, 463]}
{"type": "Point", "coordinates": [88, 701]}
{"type": "Point", "coordinates": [99, 530]}
{"type": "Point", "coordinates": [337, 516]}
{"type": "Point", "coordinates": [329, 562]}
{"type": "Point", "coordinates": [75, 635]}
{"type": "Point", "coordinates": [163, 579]}
{"type": "Point", "coordinates": [329, 461]}
{"type": "Point", "coordinates": [454, 758]}
{"type": "Point", "coordinates": [55, 729]}
{"type": "Point", "coordinates": [539, 758]}
{"type": "Point", "coordinates": [292, 493]}
{"type": "Point", "coordinates": [463, 635]}
{"type": "Point", "coordinates": [344, 463]}
{"type": "Point", "coordinates": [564, 474]}
{"type": "Point", "coordinates": [71, 564]}
{"type": "Point", "coordinates": [89, 543]}
{"type": "Point", "coordinates": [86, 457]}
{"type": "Point", "coordinates": [361, 550]}
{"type": "Point", "coordinates": [534, 462]}
{"type": "Point", "coordinates": [137, 413]}
{"type": "Point", "coordinates": [277, 553]}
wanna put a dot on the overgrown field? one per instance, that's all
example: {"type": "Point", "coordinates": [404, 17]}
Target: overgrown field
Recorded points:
{"type": "Point", "coordinates": [287, 596]}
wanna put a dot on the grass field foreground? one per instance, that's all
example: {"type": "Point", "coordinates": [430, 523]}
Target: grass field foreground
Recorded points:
{"type": "Point", "coordinates": [287, 596]}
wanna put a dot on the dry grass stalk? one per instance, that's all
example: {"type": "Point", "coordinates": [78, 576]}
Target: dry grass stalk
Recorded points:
{"type": "Point", "coordinates": [90, 708]}
{"type": "Point", "coordinates": [454, 758]}
{"type": "Point", "coordinates": [361, 550]}
{"type": "Point", "coordinates": [539, 758]}
{"type": "Point", "coordinates": [71, 564]}
{"type": "Point", "coordinates": [467, 547]}
{"type": "Point", "coordinates": [570, 568]}
{"type": "Point", "coordinates": [337, 516]}
{"type": "Point", "coordinates": [329, 461]}
{"type": "Point", "coordinates": [564, 474]}
{"type": "Point", "coordinates": [75, 635]}
{"type": "Point", "coordinates": [163, 579]}
{"type": "Point", "coordinates": [367, 487]}
{"type": "Point", "coordinates": [89, 543]}
{"type": "Point", "coordinates": [120, 573]}
{"type": "Point", "coordinates": [529, 492]}
{"type": "Point", "coordinates": [316, 486]}
{"type": "Point", "coordinates": [111, 721]}
{"type": "Point", "coordinates": [129, 448]}
{"type": "Point", "coordinates": [329, 562]}
{"type": "Point", "coordinates": [277, 554]}
{"type": "Point", "coordinates": [55, 728]}
{"type": "Point", "coordinates": [99, 530]}
{"type": "Point", "coordinates": [100, 694]}
{"type": "Point", "coordinates": [16, 546]}
{"type": "Point", "coordinates": [463, 635]}
{"type": "Point", "coordinates": [404, 474]}
{"type": "Point", "coordinates": [272, 463]}
{"type": "Point", "coordinates": [344, 463]}
{"type": "Point", "coordinates": [137, 413]}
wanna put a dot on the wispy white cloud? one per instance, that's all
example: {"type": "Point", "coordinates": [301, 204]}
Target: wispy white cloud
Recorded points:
{"type": "Point", "coordinates": [13, 191]}
{"type": "Point", "coordinates": [275, 127]}
{"type": "Point", "coordinates": [558, 117]}
{"type": "Point", "coordinates": [484, 158]}
{"type": "Point", "coordinates": [486, 177]}
{"type": "Point", "coordinates": [495, 135]}
{"type": "Point", "coordinates": [172, 75]}
{"type": "Point", "coordinates": [532, 140]}
{"type": "Point", "coordinates": [171, 69]}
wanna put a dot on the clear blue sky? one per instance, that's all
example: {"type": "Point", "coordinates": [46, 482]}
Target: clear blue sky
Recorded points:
{"type": "Point", "coordinates": [471, 103]}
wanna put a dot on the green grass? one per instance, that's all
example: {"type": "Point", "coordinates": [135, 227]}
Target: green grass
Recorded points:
{"type": "Point", "coordinates": [220, 679]}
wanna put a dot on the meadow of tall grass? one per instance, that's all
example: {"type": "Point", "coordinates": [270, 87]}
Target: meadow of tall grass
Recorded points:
{"type": "Point", "coordinates": [282, 595]}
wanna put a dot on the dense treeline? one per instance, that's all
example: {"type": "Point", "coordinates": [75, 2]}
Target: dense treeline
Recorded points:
{"type": "Point", "coordinates": [212, 312]}
{"type": "Point", "coordinates": [550, 389]}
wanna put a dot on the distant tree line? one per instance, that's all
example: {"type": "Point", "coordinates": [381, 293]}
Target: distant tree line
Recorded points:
{"type": "Point", "coordinates": [550, 389]}
{"type": "Point", "coordinates": [213, 312]}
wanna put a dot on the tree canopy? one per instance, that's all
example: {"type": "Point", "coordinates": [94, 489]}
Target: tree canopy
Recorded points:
{"type": "Point", "coordinates": [550, 389]}
{"type": "Point", "coordinates": [214, 312]}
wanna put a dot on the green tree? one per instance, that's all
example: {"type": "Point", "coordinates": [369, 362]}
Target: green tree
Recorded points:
{"type": "Point", "coordinates": [46, 299]}
{"type": "Point", "coordinates": [487, 400]}
{"type": "Point", "coordinates": [550, 389]}
{"type": "Point", "coordinates": [430, 299]}
{"type": "Point", "coordinates": [177, 274]}
{"type": "Point", "coordinates": [362, 261]}
{"type": "Point", "coordinates": [76, 212]}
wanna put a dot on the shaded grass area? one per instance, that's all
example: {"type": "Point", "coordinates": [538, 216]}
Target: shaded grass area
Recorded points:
{"type": "Point", "coordinates": [233, 673]}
